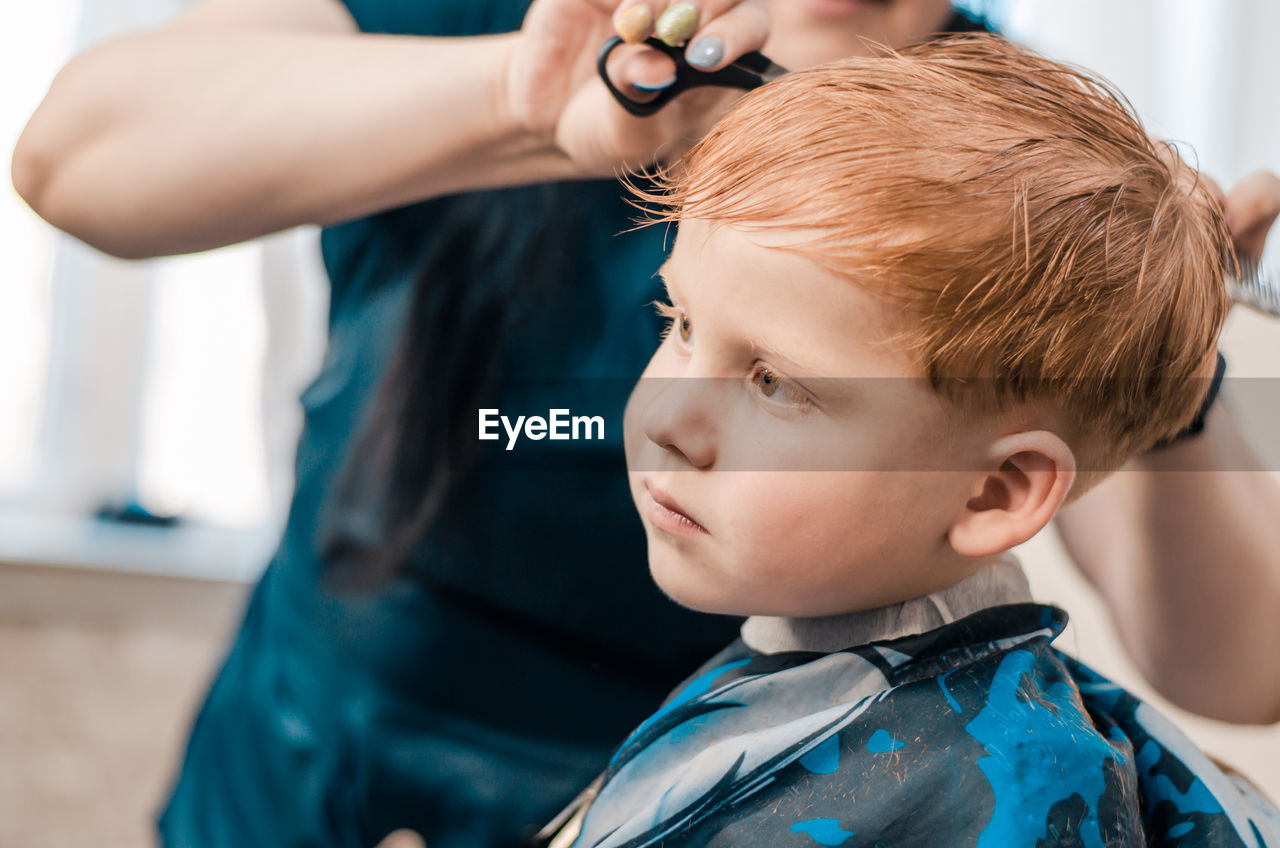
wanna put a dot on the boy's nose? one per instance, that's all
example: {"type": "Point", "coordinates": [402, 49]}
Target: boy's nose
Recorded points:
{"type": "Point", "coordinates": [680, 417]}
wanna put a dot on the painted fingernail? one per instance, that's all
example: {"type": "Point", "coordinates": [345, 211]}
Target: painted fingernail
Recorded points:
{"type": "Point", "coordinates": [655, 86]}
{"type": "Point", "coordinates": [634, 24]}
{"type": "Point", "coordinates": [706, 52]}
{"type": "Point", "coordinates": [677, 23]}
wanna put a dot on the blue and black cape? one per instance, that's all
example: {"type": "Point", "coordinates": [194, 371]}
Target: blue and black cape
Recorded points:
{"type": "Point", "coordinates": [977, 732]}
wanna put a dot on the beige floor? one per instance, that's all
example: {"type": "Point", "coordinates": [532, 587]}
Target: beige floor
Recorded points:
{"type": "Point", "coordinates": [99, 674]}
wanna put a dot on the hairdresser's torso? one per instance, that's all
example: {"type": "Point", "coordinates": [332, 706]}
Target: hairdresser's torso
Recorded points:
{"type": "Point", "coordinates": [549, 563]}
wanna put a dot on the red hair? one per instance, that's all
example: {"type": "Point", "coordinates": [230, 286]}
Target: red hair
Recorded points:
{"type": "Point", "coordinates": [1040, 246]}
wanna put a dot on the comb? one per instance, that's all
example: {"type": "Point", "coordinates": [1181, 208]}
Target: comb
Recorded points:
{"type": "Point", "coordinates": [1256, 287]}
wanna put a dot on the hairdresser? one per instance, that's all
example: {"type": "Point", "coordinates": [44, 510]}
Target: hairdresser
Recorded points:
{"type": "Point", "coordinates": [457, 652]}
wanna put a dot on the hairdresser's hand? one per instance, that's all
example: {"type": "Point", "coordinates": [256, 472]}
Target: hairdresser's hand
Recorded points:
{"type": "Point", "coordinates": [554, 92]}
{"type": "Point", "coordinates": [328, 123]}
{"type": "Point", "coordinates": [402, 839]}
{"type": "Point", "coordinates": [1251, 208]}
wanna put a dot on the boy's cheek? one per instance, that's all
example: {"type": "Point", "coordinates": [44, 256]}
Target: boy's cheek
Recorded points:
{"type": "Point", "coordinates": [634, 440]}
{"type": "Point", "coordinates": [782, 507]}
{"type": "Point", "coordinates": [636, 446]}
{"type": "Point", "coordinates": [632, 433]}
{"type": "Point", "coordinates": [773, 518]}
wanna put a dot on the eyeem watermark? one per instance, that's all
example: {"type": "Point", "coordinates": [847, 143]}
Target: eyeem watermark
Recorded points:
{"type": "Point", "coordinates": [560, 425]}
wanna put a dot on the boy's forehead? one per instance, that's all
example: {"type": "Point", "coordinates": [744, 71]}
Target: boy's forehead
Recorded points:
{"type": "Point", "coordinates": [701, 243]}
{"type": "Point", "coordinates": [746, 284]}
{"type": "Point", "coordinates": [756, 259]}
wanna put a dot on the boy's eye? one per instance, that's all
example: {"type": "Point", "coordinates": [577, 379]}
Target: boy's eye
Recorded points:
{"type": "Point", "coordinates": [677, 320]}
{"type": "Point", "coordinates": [684, 327]}
{"type": "Point", "coordinates": [772, 386]}
{"type": "Point", "coordinates": [767, 381]}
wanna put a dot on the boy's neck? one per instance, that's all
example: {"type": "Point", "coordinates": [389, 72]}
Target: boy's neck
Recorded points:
{"type": "Point", "coordinates": [1000, 583]}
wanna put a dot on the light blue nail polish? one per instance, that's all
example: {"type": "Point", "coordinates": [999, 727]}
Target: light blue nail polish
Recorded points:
{"type": "Point", "coordinates": [706, 53]}
{"type": "Point", "coordinates": [655, 86]}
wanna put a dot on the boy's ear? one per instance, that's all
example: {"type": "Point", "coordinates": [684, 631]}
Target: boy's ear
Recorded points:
{"type": "Point", "coordinates": [1015, 501]}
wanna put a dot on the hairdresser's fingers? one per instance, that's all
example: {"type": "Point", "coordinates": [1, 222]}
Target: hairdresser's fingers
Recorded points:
{"type": "Point", "coordinates": [738, 28]}
{"type": "Point", "coordinates": [722, 30]}
{"type": "Point", "coordinates": [1215, 190]}
{"type": "Point", "coordinates": [641, 69]}
{"type": "Point", "coordinates": [402, 839]}
{"type": "Point", "coordinates": [1251, 208]}
{"type": "Point", "coordinates": [633, 19]}
{"type": "Point", "coordinates": [673, 21]}
{"type": "Point", "coordinates": [732, 27]}
{"type": "Point", "coordinates": [645, 70]}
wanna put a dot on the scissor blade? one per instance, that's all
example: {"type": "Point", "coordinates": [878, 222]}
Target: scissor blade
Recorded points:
{"type": "Point", "coordinates": [758, 63]}
{"type": "Point", "coordinates": [772, 71]}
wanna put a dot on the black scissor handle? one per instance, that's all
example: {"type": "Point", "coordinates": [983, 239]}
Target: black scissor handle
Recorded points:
{"type": "Point", "coordinates": [744, 73]}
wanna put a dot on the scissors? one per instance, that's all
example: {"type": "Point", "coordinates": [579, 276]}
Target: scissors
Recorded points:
{"type": "Point", "coordinates": [749, 71]}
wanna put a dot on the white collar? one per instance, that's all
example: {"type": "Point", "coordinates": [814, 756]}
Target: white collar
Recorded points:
{"type": "Point", "coordinates": [998, 584]}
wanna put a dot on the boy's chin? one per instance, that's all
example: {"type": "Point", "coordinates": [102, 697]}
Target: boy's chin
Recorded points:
{"type": "Point", "coordinates": [683, 587]}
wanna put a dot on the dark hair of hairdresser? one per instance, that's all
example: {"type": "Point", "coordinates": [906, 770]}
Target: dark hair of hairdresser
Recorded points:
{"type": "Point", "coordinates": [483, 260]}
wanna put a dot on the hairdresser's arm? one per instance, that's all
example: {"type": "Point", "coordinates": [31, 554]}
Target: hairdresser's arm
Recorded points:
{"type": "Point", "coordinates": [1188, 563]}
{"type": "Point", "coordinates": [249, 116]}
{"type": "Point", "coordinates": [1184, 546]}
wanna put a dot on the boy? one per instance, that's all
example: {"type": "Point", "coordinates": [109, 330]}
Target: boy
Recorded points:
{"type": "Point", "coordinates": [917, 304]}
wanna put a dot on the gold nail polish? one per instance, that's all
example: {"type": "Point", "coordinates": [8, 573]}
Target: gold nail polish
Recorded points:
{"type": "Point", "coordinates": [633, 25]}
{"type": "Point", "coordinates": [677, 23]}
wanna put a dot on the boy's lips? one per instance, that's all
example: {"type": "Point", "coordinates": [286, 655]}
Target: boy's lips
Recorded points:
{"type": "Point", "coordinates": [667, 515]}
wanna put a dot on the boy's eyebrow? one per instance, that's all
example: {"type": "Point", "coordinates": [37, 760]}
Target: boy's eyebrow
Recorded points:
{"type": "Point", "coordinates": [663, 274]}
{"type": "Point", "coordinates": [774, 356]}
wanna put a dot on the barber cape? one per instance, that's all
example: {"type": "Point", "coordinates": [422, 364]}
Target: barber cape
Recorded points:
{"type": "Point", "coordinates": [974, 732]}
